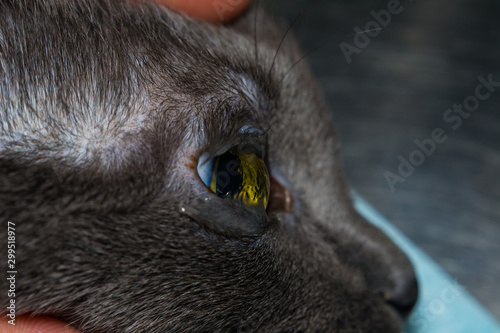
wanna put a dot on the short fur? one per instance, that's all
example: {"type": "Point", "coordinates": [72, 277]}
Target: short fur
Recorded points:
{"type": "Point", "coordinates": [105, 108]}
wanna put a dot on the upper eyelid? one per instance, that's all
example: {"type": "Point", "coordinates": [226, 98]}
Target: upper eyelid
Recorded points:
{"type": "Point", "coordinates": [256, 138]}
{"type": "Point", "coordinates": [228, 122]}
{"type": "Point", "coordinates": [252, 130]}
{"type": "Point", "coordinates": [247, 136]}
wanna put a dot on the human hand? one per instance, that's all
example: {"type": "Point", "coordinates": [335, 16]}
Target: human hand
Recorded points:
{"type": "Point", "coordinates": [35, 324]}
{"type": "Point", "coordinates": [214, 11]}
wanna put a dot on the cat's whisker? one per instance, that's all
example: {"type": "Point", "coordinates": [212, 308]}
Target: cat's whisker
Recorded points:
{"type": "Point", "coordinates": [304, 56]}
{"type": "Point", "coordinates": [302, 12]}
{"type": "Point", "coordinates": [255, 32]}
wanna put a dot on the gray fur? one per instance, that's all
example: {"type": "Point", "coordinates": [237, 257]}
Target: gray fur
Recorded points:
{"type": "Point", "coordinates": [105, 107]}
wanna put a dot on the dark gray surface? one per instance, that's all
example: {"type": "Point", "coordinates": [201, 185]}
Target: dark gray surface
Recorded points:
{"type": "Point", "coordinates": [396, 90]}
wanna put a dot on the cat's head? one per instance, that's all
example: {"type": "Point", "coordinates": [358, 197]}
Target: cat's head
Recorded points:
{"type": "Point", "coordinates": [170, 175]}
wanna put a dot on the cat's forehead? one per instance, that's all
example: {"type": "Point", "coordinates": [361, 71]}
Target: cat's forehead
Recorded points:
{"type": "Point", "coordinates": [92, 86]}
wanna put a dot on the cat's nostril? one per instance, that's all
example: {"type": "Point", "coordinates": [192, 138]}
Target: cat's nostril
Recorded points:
{"type": "Point", "coordinates": [404, 296]}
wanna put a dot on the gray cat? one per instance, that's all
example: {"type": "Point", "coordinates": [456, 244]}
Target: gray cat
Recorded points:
{"type": "Point", "coordinates": [167, 175]}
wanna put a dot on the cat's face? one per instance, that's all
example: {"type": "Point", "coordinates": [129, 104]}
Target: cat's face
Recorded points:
{"type": "Point", "coordinates": [114, 118]}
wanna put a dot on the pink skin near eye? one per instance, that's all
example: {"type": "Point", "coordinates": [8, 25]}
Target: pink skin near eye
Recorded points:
{"type": "Point", "coordinates": [213, 11]}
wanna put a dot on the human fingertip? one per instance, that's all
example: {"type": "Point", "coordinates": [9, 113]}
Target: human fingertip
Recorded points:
{"type": "Point", "coordinates": [34, 324]}
{"type": "Point", "coordinates": [214, 11]}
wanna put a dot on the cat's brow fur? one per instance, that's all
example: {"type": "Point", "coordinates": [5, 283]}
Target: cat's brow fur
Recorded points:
{"type": "Point", "coordinates": [104, 106]}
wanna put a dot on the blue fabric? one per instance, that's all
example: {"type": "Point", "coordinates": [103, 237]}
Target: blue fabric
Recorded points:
{"type": "Point", "coordinates": [444, 305]}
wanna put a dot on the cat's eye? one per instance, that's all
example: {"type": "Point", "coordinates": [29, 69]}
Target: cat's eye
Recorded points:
{"type": "Point", "coordinates": [241, 177]}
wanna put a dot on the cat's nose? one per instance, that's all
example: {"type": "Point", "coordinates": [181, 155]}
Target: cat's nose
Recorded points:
{"type": "Point", "coordinates": [403, 295]}
{"type": "Point", "coordinates": [386, 269]}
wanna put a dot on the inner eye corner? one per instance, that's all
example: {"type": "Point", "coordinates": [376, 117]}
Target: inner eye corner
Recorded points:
{"type": "Point", "coordinates": [281, 199]}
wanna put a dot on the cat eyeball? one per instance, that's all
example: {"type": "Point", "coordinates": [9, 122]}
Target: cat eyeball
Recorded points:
{"type": "Point", "coordinates": [239, 176]}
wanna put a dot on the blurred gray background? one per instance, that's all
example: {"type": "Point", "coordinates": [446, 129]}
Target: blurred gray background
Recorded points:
{"type": "Point", "coordinates": [395, 90]}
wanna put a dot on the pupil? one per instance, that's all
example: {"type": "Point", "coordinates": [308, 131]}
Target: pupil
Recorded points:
{"type": "Point", "coordinates": [228, 175]}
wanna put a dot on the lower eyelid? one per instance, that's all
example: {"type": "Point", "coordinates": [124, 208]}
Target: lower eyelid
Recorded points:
{"type": "Point", "coordinates": [225, 217]}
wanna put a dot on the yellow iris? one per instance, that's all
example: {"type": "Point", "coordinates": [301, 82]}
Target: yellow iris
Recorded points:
{"type": "Point", "coordinates": [242, 178]}
{"type": "Point", "coordinates": [255, 184]}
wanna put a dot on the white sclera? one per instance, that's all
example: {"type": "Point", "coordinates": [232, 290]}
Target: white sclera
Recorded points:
{"type": "Point", "coordinates": [205, 168]}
